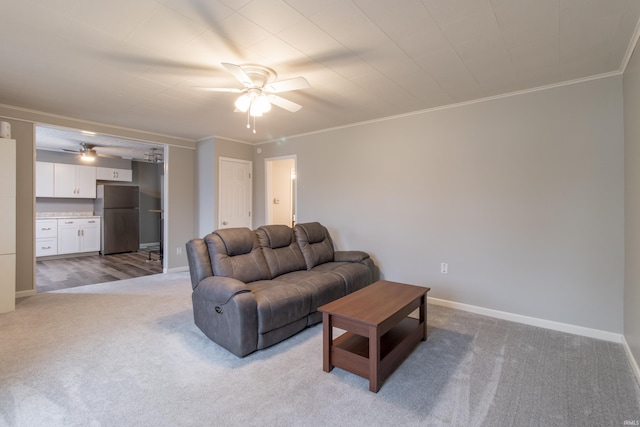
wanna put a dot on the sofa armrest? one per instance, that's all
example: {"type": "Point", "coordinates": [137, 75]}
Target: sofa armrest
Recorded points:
{"type": "Point", "coordinates": [350, 256]}
{"type": "Point", "coordinates": [226, 311]}
{"type": "Point", "coordinates": [220, 290]}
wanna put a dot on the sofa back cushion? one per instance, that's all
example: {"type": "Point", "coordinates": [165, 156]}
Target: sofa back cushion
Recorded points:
{"type": "Point", "coordinates": [315, 243]}
{"type": "Point", "coordinates": [234, 252]}
{"type": "Point", "coordinates": [280, 249]}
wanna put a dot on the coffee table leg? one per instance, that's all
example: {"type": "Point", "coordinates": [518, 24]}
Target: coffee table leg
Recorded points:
{"type": "Point", "coordinates": [327, 342]}
{"type": "Point", "coordinates": [423, 316]}
{"type": "Point", "coordinates": [374, 359]}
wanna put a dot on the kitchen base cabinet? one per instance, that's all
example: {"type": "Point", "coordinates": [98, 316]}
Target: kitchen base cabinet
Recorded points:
{"type": "Point", "coordinates": [46, 237]}
{"type": "Point", "coordinates": [78, 235]}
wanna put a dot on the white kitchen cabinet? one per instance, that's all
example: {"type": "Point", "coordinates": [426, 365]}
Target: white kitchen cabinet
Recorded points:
{"type": "Point", "coordinates": [46, 237]}
{"type": "Point", "coordinates": [76, 235]}
{"type": "Point", "coordinates": [112, 174]}
{"type": "Point", "coordinates": [44, 179]}
{"type": "Point", "coordinates": [74, 181]}
{"type": "Point", "coordinates": [8, 221]}
{"type": "Point", "coordinates": [90, 235]}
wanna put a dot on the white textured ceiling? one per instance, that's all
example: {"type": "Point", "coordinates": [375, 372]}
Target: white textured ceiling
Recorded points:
{"type": "Point", "coordinates": [133, 63]}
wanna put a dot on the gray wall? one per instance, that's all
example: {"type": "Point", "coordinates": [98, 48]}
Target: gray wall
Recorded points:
{"type": "Point", "coordinates": [207, 173]}
{"type": "Point", "coordinates": [208, 155]}
{"type": "Point", "coordinates": [179, 205]}
{"type": "Point", "coordinates": [522, 196]}
{"type": "Point", "coordinates": [632, 204]}
{"type": "Point", "coordinates": [23, 132]}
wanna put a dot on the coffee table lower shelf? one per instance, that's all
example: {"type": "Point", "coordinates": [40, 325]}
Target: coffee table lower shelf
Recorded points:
{"type": "Point", "coordinates": [351, 351]}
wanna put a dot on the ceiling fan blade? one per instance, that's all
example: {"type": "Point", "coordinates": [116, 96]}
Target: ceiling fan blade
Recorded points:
{"type": "Point", "coordinates": [286, 85]}
{"type": "Point", "coordinates": [219, 89]}
{"type": "Point", "coordinates": [238, 73]}
{"type": "Point", "coordinates": [108, 156]}
{"type": "Point", "coordinates": [284, 103]}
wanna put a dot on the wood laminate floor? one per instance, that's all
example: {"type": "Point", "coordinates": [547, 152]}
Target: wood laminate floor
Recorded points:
{"type": "Point", "coordinates": [64, 273]}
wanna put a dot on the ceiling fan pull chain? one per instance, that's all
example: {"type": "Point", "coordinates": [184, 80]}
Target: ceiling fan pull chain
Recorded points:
{"type": "Point", "coordinates": [254, 124]}
{"type": "Point", "coordinates": [248, 118]}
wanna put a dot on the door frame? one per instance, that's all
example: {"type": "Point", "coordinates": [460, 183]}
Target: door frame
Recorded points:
{"type": "Point", "coordinates": [220, 183]}
{"type": "Point", "coordinates": [268, 191]}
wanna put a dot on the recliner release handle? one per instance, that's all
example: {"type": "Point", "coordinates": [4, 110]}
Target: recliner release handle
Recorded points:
{"type": "Point", "coordinates": [218, 308]}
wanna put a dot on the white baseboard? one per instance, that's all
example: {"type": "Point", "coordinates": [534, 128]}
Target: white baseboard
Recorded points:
{"type": "Point", "coordinates": [176, 269]}
{"type": "Point", "coordinates": [632, 360]}
{"type": "Point", "coordinates": [542, 323]}
{"type": "Point", "coordinates": [22, 294]}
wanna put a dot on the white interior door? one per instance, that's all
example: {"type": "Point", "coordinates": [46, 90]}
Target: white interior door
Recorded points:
{"type": "Point", "coordinates": [234, 204]}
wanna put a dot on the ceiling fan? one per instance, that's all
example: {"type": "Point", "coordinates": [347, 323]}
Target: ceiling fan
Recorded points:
{"type": "Point", "coordinates": [87, 151]}
{"type": "Point", "coordinates": [260, 87]}
{"type": "Point", "coordinates": [153, 156]}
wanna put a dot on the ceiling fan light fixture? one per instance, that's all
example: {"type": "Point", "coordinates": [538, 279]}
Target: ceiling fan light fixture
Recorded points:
{"type": "Point", "coordinates": [243, 102]}
{"type": "Point", "coordinates": [255, 110]}
{"type": "Point", "coordinates": [260, 83]}
{"type": "Point", "coordinates": [263, 103]}
{"type": "Point", "coordinates": [88, 155]}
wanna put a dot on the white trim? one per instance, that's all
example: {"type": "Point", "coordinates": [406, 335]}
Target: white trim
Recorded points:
{"type": "Point", "coordinates": [226, 138]}
{"type": "Point", "coordinates": [541, 323]}
{"type": "Point", "coordinates": [268, 212]}
{"type": "Point", "coordinates": [176, 269]}
{"type": "Point", "coordinates": [23, 294]}
{"type": "Point", "coordinates": [632, 360]}
{"type": "Point", "coordinates": [632, 46]}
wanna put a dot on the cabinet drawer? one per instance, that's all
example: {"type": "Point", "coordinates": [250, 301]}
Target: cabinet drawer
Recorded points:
{"type": "Point", "coordinates": [46, 247]}
{"type": "Point", "coordinates": [46, 228]}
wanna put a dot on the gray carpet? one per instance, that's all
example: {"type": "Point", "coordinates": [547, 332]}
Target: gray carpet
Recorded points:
{"type": "Point", "coordinates": [128, 354]}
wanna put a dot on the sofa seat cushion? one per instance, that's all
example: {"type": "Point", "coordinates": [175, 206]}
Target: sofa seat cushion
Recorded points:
{"type": "Point", "coordinates": [354, 275]}
{"type": "Point", "coordinates": [328, 267]}
{"type": "Point", "coordinates": [279, 303]}
{"type": "Point", "coordinates": [323, 287]}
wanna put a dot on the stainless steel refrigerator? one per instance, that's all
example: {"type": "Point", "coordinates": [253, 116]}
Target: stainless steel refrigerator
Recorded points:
{"type": "Point", "coordinates": [118, 207]}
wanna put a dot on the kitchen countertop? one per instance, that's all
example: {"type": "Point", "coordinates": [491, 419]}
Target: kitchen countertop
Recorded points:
{"type": "Point", "coordinates": [65, 215]}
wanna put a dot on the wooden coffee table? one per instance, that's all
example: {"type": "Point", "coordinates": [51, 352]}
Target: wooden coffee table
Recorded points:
{"type": "Point", "coordinates": [379, 334]}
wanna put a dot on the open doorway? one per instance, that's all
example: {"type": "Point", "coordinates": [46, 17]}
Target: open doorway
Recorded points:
{"type": "Point", "coordinates": [70, 247]}
{"type": "Point", "coordinates": [281, 190]}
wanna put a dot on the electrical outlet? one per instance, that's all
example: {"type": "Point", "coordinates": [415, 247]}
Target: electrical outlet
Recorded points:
{"type": "Point", "coordinates": [178, 251]}
{"type": "Point", "coordinates": [444, 268]}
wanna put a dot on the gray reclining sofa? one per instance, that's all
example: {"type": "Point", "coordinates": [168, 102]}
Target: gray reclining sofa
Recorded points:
{"type": "Point", "coordinates": [255, 288]}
